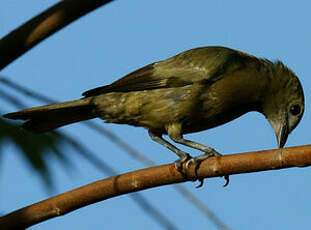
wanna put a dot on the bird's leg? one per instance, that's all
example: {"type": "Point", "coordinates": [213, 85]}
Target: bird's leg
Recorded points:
{"type": "Point", "coordinates": [183, 157]}
{"type": "Point", "coordinates": [208, 151]}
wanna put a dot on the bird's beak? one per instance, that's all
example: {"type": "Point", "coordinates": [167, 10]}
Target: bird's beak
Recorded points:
{"type": "Point", "coordinates": [280, 127]}
{"type": "Point", "coordinates": [282, 134]}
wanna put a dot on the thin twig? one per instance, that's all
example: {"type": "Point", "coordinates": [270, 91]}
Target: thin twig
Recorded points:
{"type": "Point", "coordinates": [202, 207]}
{"type": "Point", "coordinates": [25, 91]}
{"type": "Point", "coordinates": [9, 98]}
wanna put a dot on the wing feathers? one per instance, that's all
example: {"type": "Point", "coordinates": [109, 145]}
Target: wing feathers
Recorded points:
{"type": "Point", "coordinates": [204, 65]}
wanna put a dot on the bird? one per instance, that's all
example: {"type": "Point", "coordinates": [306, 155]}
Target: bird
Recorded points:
{"type": "Point", "coordinates": [195, 90]}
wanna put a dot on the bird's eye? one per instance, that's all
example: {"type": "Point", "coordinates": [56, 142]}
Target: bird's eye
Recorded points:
{"type": "Point", "coordinates": [295, 109]}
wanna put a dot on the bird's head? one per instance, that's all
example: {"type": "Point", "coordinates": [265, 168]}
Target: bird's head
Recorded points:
{"type": "Point", "coordinates": [284, 104]}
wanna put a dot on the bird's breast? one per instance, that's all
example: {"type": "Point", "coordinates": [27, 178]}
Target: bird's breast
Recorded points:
{"type": "Point", "coordinates": [226, 100]}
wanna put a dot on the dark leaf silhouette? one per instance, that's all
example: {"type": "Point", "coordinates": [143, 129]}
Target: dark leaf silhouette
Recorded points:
{"type": "Point", "coordinates": [35, 148]}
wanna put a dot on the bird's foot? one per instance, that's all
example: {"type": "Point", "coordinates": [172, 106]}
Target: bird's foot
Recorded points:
{"type": "Point", "coordinates": [179, 162]}
{"type": "Point", "coordinates": [198, 159]}
{"type": "Point", "coordinates": [210, 152]}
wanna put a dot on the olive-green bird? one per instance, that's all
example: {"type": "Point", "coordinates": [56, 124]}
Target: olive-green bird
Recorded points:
{"type": "Point", "coordinates": [193, 91]}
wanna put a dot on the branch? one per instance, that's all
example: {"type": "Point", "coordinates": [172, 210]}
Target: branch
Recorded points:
{"type": "Point", "coordinates": [40, 27]}
{"type": "Point", "coordinates": [299, 156]}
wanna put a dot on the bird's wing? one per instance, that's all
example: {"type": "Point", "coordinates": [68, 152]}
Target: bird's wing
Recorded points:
{"type": "Point", "coordinates": [205, 65]}
{"type": "Point", "coordinates": [141, 79]}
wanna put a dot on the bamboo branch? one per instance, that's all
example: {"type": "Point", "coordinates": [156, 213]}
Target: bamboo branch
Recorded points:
{"type": "Point", "coordinates": [40, 27]}
{"type": "Point", "coordinates": [299, 156]}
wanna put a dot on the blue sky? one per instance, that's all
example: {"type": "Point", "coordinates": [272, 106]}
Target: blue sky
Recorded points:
{"type": "Point", "coordinates": [125, 35]}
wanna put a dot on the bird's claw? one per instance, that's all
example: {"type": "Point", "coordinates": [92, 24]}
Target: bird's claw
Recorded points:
{"type": "Point", "coordinates": [190, 162]}
{"type": "Point", "coordinates": [201, 180]}
{"type": "Point", "coordinates": [197, 160]}
{"type": "Point", "coordinates": [227, 180]}
{"type": "Point", "coordinates": [179, 162]}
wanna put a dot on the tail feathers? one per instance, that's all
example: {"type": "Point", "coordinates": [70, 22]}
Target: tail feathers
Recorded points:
{"type": "Point", "coordinates": [48, 117]}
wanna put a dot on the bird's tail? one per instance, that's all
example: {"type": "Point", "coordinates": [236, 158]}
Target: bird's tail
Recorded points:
{"type": "Point", "coordinates": [44, 118]}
